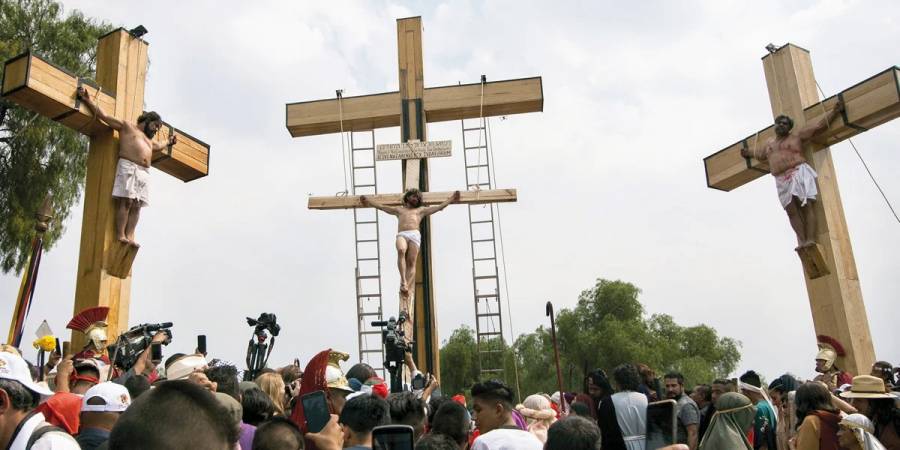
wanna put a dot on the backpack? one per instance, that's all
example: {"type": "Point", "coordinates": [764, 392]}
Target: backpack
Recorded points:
{"type": "Point", "coordinates": [40, 432]}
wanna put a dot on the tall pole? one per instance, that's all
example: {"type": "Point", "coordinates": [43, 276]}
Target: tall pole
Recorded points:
{"type": "Point", "coordinates": [562, 400]}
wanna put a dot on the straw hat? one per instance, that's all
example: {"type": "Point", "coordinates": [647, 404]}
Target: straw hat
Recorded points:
{"type": "Point", "coordinates": [866, 386]}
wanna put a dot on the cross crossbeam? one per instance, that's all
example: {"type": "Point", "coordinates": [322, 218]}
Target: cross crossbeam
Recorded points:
{"type": "Point", "coordinates": [428, 198]}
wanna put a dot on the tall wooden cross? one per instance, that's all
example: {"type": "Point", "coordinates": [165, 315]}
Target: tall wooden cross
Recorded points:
{"type": "Point", "coordinates": [832, 283]}
{"type": "Point", "coordinates": [104, 265]}
{"type": "Point", "coordinates": [411, 108]}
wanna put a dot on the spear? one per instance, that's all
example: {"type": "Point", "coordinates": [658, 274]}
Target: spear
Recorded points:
{"type": "Point", "coordinates": [562, 399]}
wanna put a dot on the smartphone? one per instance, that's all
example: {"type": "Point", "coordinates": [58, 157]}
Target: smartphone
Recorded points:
{"type": "Point", "coordinates": [392, 437]}
{"type": "Point", "coordinates": [156, 351]}
{"type": "Point", "coordinates": [661, 424]}
{"type": "Point", "coordinates": [201, 344]}
{"type": "Point", "coordinates": [418, 383]}
{"type": "Point", "coordinates": [58, 349]}
{"type": "Point", "coordinates": [315, 410]}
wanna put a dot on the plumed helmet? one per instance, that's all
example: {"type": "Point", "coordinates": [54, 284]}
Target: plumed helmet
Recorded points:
{"type": "Point", "coordinates": [92, 322]}
{"type": "Point", "coordinates": [829, 350]}
{"type": "Point", "coordinates": [334, 376]}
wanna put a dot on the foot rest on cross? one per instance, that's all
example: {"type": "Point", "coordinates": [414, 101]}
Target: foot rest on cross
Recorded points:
{"type": "Point", "coordinates": [119, 258]}
{"type": "Point", "coordinates": [813, 262]}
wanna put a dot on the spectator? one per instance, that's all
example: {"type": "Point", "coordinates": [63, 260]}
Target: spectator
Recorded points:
{"type": "Point", "coordinates": [433, 405]}
{"type": "Point", "coordinates": [782, 391]}
{"type": "Point", "coordinates": [272, 384]}
{"type": "Point", "coordinates": [102, 406]}
{"type": "Point", "coordinates": [19, 394]}
{"type": "Point", "coordinates": [359, 416]}
{"type": "Point", "coordinates": [277, 434]}
{"type": "Point", "coordinates": [687, 411]}
{"type": "Point", "coordinates": [729, 426]}
{"type": "Point", "coordinates": [137, 385]}
{"type": "Point", "coordinates": [573, 433]}
{"type": "Point", "coordinates": [885, 371]}
{"type": "Point", "coordinates": [407, 409]}
{"type": "Point", "coordinates": [765, 423]}
{"type": "Point", "coordinates": [630, 406]}
{"type": "Point", "coordinates": [855, 433]}
{"type": "Point", "coordinates": [257, 407]}
{"type": "Point", "coordinates": [493, 403]}
{"type": "Point", "coordinates": [818, 418]}
{"type": "Point", "coordinates": [452, 420]}
{"type": "Point", "coordinates": [868, 395]}
{"type": "Point", "coordinates": [702, 396]}
{"type": "Point", "coordinates": [601, 392]}
{"type": "Point", "coordinates": [226, 378]}
{"type": "Point", "coordinates": [538, 415]}
{"type": "Point", "coordinates": [649, 383]}
{"type": "Point", "coordinates": [175, 414]}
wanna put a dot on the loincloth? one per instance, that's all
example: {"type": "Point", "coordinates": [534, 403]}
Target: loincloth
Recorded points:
{"type": "Point", "coordinates": [132, 181]}
{"type": "Point", "coordinates": [798, 182]}
{"type": "Point", "coordinates": [412, 236]}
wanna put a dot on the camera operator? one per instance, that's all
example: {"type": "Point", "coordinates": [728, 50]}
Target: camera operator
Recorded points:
{"type": "Point", "coordinates": [144, 364]}
{"type": "Point", "coordinates": [423, 385]}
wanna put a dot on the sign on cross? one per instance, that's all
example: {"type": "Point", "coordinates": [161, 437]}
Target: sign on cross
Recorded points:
{"type": "Point", "coordinates": [411, 108]}
{"type": "Point", "coordinates": [104, 264]}
{"type": "Point", "coordinates": [832, 284]}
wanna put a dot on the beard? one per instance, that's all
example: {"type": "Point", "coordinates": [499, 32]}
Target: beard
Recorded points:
{"type": "Point", "coordinates": [149, 132]}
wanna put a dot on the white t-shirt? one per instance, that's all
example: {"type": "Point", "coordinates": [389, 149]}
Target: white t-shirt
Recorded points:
{"type": "Point", "coordinates": [507, 439]}
{"type": "Point", "coordinates": [49, 441]}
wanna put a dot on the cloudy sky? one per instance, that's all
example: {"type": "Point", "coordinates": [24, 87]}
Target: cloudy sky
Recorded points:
{"type": "Point", "coordinates": [610, 176]}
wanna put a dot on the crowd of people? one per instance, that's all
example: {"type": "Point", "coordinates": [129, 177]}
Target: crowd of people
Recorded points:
{"type": "Point", "coordinates": [89, 401]}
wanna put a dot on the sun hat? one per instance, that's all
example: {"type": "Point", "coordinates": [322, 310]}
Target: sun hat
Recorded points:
{"type": "Point", "coordinates": [866, 386]}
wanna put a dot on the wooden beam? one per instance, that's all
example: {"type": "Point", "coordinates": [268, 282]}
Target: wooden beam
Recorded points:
{"type": "Point", "coordinates": [428, 198]}
{"type": "Point", "coordinates": [39, 85]}
{"type": "Point", "coordinates": [445, 103]}
{"type": "Point", "coordinates": [868, 104]}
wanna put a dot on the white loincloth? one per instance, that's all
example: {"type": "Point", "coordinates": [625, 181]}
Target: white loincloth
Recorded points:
{"type": "Point", "coordinates": [798, 182]}
{"type": "Point", "coordinates": [132, 181]}
{"type": "Point", "coordinates": [412, 236]}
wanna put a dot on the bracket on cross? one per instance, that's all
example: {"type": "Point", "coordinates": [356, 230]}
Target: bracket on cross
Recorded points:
{"type": "Point", "coordinates": [813, 262]}
{"type": "Point", "coordinates": [119, 259]}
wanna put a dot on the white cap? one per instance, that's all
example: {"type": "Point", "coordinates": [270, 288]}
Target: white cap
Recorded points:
{"type": "Point", "coordinates": [115, 398]}
{"type": "Point", "coordinates": [13, 367]}
{"type": "Point", "coordinates": [182, 368]}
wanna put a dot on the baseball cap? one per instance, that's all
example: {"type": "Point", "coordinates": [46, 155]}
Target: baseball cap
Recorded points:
{"type": "Point", "coordinates": [13, 367]}
{"type": "Point", "coordinates": [115, 398]}
{"type": "Point", "coordinates": [185, 366]}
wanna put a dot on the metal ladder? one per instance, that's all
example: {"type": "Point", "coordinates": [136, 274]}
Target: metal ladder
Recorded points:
{"type": "Point", "coordinates": [364, 181]}
{"type": "Point", "coordinates": [485, 275]}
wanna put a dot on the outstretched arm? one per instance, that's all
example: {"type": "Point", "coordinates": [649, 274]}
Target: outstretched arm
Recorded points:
{"type": "Point", "coordinates": [429, 210]}
{"type": "Point", "coordinates": [810, 131]}
{"type": "Point", "coordinates": [366, 201]}
{"type": "Point", "coordinates": [113, 123]}
{"type": "Point", "coordinates": [158, 146]}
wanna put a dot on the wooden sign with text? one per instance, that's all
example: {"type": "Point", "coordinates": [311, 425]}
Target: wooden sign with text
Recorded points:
{"type": "Point", "coordinates": [413, 150]}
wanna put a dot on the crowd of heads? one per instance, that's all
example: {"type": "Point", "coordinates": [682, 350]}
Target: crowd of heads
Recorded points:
{"type": "Point", "coordinates": [191, 401]}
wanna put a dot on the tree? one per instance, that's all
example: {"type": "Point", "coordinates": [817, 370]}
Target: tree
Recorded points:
{"type": "Point", "coordinates": [459, 361]}
{"type": "Point", "coordinates": [38, 156]}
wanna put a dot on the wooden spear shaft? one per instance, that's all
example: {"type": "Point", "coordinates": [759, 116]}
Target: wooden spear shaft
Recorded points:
{"type": "Point", "coordinates": [562, 400]}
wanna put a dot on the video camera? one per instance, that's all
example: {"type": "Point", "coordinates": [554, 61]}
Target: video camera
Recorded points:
{"type": "Point", "coordinates": [265, 322]}
{"type": "Point", "coordinates": [395, 347]}
{"type": "Point", "coordinates": [132, 343]}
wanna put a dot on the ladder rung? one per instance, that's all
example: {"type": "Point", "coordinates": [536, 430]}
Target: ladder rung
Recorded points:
{"type": "Point", "coordinates": [488, 315]}
{"type": "Point", "coordinates": [481, 221]}
{"type": "Point", "coordinates": [367, 277]}
{"type": "Point", "coordinates": [490, 351]}
{"type": "Point", "coordinates": [486, 295]}
{"type": "Point", "coordinates": [370, 332]}
{"type": "Point", "coordinates": [366, 222]}
{"type": "Point", "coordinates": [363, 185]}
{"type": "Point", "coordinates": [475, 147]}
{"type": "Point", "coordinates": [368, 295]}
{"type": "Point", "coordinates": [369, 314]}
{"type": "Point", "coordinates": [485, 277]}
{"type": "Point", "coordinates": [482, 240]}
{"type": "Point", "coordinates": [370, 351]}
{"type": "Point", "coordinates": [363, 167]}
{"type": "Point", "coordinates": [476, 166]}
{"type": "Point", "coordinates": [366, 240]}
{"type": "Point", "coordinates": [489, 334]}
{"type": "Point", "coordinates": [367, 259]}
{"type": "Point", "coordinates": [363, 148]}
{"type": "Point", "coordinates": [473, 129]}
{"type": "Point", "coordinates": [484, 259]}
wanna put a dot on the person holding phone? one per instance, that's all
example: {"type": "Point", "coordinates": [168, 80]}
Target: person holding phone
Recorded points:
{"type": "Point", "coordinates": [493, 405]}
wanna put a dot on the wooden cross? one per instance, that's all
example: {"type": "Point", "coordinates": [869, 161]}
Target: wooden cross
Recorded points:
{"type": "Point", "coordinates": [411, 108]}
{"type": "Point", "coordinates": [104, 265]}
{"type": "Point", "coordinates": [832, 282]}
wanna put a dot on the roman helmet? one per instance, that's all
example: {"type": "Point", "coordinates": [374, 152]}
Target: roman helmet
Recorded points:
{"type": "Point", "coordinates": [92, 322]}
{"type": "Point", "coordinates": [829, 351]}
{"type": "Point", "coordinates": [334, 376]}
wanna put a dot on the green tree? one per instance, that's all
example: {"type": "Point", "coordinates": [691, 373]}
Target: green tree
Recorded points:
{"type": "Point", "coordinates": [459, 361]}
{"type": "Point", "coordinates": [38, 156]}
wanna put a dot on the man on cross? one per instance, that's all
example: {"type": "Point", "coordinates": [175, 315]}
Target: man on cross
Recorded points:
{"type": "Point", "coordinates": [136, 147]}
{"type": "Point", "coordinates": [794, 178]}
{"type": "Point", "coordinates": [409, 216]}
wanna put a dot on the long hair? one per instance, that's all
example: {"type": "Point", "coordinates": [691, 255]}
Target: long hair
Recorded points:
{"type": "Point", "coordinates": [412, 193]}
{"type": "Point", "coordinates": [272, 384]}
{"type": "Point", "coordinates": [811, 397]}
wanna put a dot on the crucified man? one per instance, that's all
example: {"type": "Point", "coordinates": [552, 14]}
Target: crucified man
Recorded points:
{"type": "Point", "coordinates": [136, 146]}
{"type": "Point", "coordinates": [409, 216]}
{"type": "Point", "coordinates": [794, 178]}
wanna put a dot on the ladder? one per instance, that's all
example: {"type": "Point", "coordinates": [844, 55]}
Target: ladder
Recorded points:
{"type": "Point", "coordinates": [368, 254]}
{"type": "Point", "coordinates": [485, 276]}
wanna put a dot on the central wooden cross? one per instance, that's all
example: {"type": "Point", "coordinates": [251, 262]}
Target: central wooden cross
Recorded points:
{"type": "Point", "coordinates": [104, 264]}
{"type": "Point", "coordinates": [411, 108]}
{"type": "Point", "coordinates": [831, 279]}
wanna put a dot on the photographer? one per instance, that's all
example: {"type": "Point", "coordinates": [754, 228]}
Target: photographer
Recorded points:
{"type": "Point", "coordinates": [423, 385]}
{"type": "Point", "coordinates": [144, 364]}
